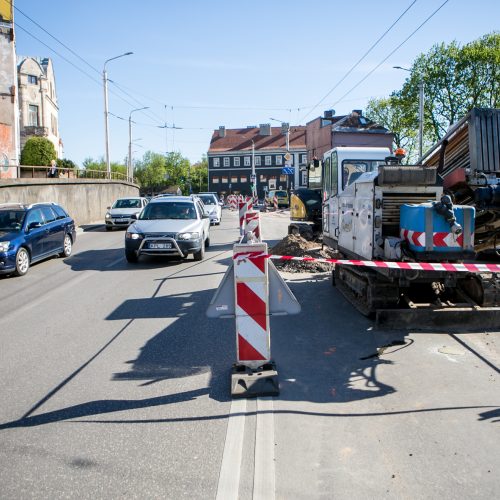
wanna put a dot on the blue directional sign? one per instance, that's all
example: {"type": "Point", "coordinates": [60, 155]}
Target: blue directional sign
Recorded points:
{"type": "Point", "coordinates": [287, 170]}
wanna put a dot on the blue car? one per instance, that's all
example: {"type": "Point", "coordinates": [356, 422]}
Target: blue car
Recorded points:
{"type": "Point", "coordinates": [29, 233]}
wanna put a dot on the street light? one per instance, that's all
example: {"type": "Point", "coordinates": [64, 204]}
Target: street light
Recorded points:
{"type": "Point", "coordinates": [420, 112]}
{"type": "Point", "coordinates": [283, 125]}
{"type": "Point", "coordinates": [106, 111]}
{"type": "Point", "coordinates": [130, 171]}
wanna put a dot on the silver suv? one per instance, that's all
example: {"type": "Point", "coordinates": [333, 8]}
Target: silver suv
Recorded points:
{"type": "Point", "coordinates": [121, 212]}
{"type": "Point", "coordinates": [173, 225]}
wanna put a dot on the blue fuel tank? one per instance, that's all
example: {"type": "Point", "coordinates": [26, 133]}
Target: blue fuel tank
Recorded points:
{"type": "Point", "coordinates": [429, 235]}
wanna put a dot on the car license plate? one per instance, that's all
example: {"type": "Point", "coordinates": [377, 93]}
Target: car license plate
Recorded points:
{"type": "Point", "coordinates": [160, 246]}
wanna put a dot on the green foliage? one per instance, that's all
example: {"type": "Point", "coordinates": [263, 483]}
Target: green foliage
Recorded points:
{"type": "Point", "coordinates": [156, 172]}
{"type": "Point", "coordinates": [98, 168]}
{"type": "Point", "coordinates": [199, 175]}
{"type": "Point", "coordinates": [64, 163]}
{"type": "Point", "coordinates": [456, 78]}
{"type": "Point", "coordinates": [38, 151]}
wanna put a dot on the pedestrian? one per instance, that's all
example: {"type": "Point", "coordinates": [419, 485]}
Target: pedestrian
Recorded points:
{"type": "Point", "coordinates": [52, 172]}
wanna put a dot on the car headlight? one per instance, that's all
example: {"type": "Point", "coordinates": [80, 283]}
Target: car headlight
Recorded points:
{"type": "Point", "coordinates": [188, 236]}
{"type": "Point", "coordinates": [133, 236]}
{"type": "Point", "coordinates": [4, 246]}
{"type": "Point", "coordinates": [108, 215]}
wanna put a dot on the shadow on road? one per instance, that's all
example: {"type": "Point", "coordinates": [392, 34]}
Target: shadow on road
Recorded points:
{"type": "Point", "coordinates": [335, 365]}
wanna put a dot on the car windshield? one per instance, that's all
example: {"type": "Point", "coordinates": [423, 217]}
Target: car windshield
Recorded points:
{"type": "Point", "coordinates": [207, 199]}
{"type": "Point", "coordinates": [281, 193]}
{"type": "Point", "coordinates": [174, 210]}
{"type": "Point", "coordinates": [11, 219]}
{"type": "Point", "coordinates": [126, 203]}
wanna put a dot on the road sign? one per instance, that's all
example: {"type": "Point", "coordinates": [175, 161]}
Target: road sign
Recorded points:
{"type": "Point", "coordinates": [287, 170]}
{"type": "Point", "coordinates": [288, 156]}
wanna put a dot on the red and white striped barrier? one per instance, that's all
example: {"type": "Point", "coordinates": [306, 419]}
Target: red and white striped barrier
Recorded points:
{"type": "Point", "coordinates": [232, 202]}
{"type": "Point", "coordinates": [244, 205]}
{"type": "Point", "coordinates": [443, 239]}
{"type": "Point", "coordinates": [275, 203]}
{"type": "Point", "coordinates": [252, 224]}
{"type": "Point", "coordinates": [252, 307]}
{"type": "Point", "coordinates": [415, 266]}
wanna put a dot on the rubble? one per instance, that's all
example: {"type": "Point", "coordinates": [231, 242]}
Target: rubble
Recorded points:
{"type": "Point", "coordinates": [296, 246]}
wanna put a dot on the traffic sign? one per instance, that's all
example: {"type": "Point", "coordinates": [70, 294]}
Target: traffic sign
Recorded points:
{"type": "Point", "coordinates": [288, 156]}
{"type": "Point", "coordinates": [287, 170]}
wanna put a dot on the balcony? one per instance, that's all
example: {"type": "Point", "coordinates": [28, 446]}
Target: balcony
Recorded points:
{"type": "Point", "coordinates": [32, 130]}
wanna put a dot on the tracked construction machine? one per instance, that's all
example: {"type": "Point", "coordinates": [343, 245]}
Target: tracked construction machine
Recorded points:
{"type": "Point", "coordinates": [446, 210]}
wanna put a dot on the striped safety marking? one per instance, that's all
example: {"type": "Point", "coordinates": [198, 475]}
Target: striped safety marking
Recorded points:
{"type": "Point", "coordinates": [252, 308]}
{"type": "Point", "coordinates": [443, 239]}
{"type": "Point", "coordinates": [416, 266]}
{"type": "Point", "coordinates": [252, 223]}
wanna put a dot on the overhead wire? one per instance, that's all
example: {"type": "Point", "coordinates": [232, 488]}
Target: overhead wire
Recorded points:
{"type": "Point", "coordinates": [360, 59]}
{"type": "Point", "coordinates": [392, 52]}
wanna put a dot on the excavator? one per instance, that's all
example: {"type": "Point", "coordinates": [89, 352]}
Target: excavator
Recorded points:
{"type": "Point", "coordinates": [369, 206]}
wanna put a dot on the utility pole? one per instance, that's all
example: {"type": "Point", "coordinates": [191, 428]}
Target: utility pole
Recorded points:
{"type": "Point", "coordinates": [130, 169]}
{"type": "Point", "coordinates": [420, 118]}
{"type": "Point", "coordinates": [106, 110]}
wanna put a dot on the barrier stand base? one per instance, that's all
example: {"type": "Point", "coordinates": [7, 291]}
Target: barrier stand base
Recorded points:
{"type": "Point", "coordinates": [250, 383]}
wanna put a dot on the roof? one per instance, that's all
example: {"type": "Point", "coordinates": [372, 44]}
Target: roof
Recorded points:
{"type": "Point", "coordinates": [240, 139]}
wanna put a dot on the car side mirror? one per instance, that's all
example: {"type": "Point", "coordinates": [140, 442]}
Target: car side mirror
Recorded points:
{"type": "Point", "coordinates": [108, 208]}
{"type": "Point", "coordinates": [34, 225]}
{"type": "Point", "coordinates": [133, 216]}
{"type": "Point", "coordinates": [205, 216]}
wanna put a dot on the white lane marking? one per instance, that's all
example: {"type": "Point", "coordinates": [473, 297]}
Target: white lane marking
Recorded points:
{"type": "Point", "coordinates": [229, 475]}
{"type": "Point", "coordinates": [264, 481]}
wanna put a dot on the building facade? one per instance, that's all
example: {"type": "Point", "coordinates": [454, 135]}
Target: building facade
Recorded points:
{"type": "Point", "coordinates": [38, 108]}
{"type": "Point", "coordinates": [353, 130]}
{"type": "Point", "coordinates": [232, 152]}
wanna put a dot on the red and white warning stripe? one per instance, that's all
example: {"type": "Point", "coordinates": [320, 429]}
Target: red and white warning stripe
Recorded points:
{"type": "Point", "coordinates": [252, 223]}
{"type": "Point", "coordinates": [416, 266]}
{"type": "Point", "coordinates": [252, 306]}
{"type": "Point", "coordinates": [442, 239]}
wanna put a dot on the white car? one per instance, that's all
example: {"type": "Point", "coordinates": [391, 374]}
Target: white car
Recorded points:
{"type": "Point", "coordinates": [120, 213]}
{"type": "Point", "coordinates": [212, 206]}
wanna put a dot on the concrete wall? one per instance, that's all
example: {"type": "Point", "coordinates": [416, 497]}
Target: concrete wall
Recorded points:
{"type": "Point", "coordinates": [84, 199]}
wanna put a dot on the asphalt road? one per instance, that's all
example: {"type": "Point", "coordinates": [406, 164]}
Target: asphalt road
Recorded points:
{"type": "Point", "coordinates": [116, 385]}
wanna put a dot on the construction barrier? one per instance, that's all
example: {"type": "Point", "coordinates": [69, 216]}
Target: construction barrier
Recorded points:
{"type": "Point", "coordinates": [244, 204]}
{"type": "Point", "coordinates": [252, 225]}
{"type": "Point", "coordinates": [232, 202]}
{"type": "Point", "coordinates": [415, 266]}
{"type": "Point", "coordinates": [275, 203]}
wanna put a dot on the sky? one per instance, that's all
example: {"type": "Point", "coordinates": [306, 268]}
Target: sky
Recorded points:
{"type": "Point", "coordinates": [200, 64]}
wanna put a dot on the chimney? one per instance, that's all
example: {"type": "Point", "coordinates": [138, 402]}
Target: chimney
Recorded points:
{"type": "Point", "coordinates": [222, 131]}
{"type": "Point", "coordinates": [329, 113]}
{"type": "Point", "coordinates": [265, 129]}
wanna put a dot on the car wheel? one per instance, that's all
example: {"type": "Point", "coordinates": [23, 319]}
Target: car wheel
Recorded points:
{"type": "Point", "coordinates": [200, 254]}
{"type": "Point", "coordinates": [131, 256]}
{"type": "Point", "coordinates": [207, 242]}
{"type": "Point", "coordinates": [22, 262]}
{"type": "Point", "coordinates": [67, 246]}
{"type": "Point", "coordinates": [109, 228]}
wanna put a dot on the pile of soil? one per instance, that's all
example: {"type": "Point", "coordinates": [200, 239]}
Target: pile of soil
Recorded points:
{"type": "Point", "coordinates": [296, 246]}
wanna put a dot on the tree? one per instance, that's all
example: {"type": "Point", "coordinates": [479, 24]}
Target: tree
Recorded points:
{"type": "Point", "coordinates": [64, 163]}
{"type": "Point", "coordinates": [199, 175]}
{"type": "Point", "coordinates": [98, 168]}
{"type": "Point", "coordinates": [38, 151]}
{"type": "Point", "coordinates": [391, 112]}
{"type": "Point", "coordinates": [151, 171]}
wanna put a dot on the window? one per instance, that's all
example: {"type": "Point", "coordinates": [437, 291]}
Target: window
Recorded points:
{"type": "Point", "coordinates": [257, 160]}
{"type": "Point", "coordinates": [48, 214]}
{"type": "Point", "coordinates": [279, 160]}
{"type": "Point", "coordinates": [215, 180]}
{"type": "Point", "coordinates": [216, 162]}
{"type": "Point", "coordinates": [246, 161]}
{"type": "Point", "coordinates": [243, 178]}
{"type": "Point", "coordinates": [268, 160]}
{"type": "Point", "coordinates": [226, 161]}
{"type": "Point", "coordinates": [304, 159]}
{"type": "Point", "coordinates": [236, 161]}
{"type": "Point", "coordinates": [234, 179]}
{"type": "Point", "coordinates": [32, 79]}
{"type": "Point", "coordinates": [53, 124]}
{"type": "Point", "coordinates": [224, 179]}
{"type": "Point", "coordinates": [35, 216]}
{"type": "Point", "coordinates": [33, 115]}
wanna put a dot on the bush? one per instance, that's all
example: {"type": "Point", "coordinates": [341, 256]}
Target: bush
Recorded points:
{"type": "Point", "coordinates": [64, 163]}
{"type": "Point", "coordinates": [38, 151]}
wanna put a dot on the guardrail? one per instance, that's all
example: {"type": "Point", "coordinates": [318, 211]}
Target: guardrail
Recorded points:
{"type": "Point", "coordinates": [35, 172]}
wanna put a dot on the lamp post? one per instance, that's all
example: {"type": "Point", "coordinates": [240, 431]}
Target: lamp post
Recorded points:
{"type": "Point", "coordinates": [285, 127]}
{"type": "Point", "coordinates": [130, 171]}
{"type": "Point", "coordinates": [420, 112]}
{"type": "Point", "coordinates": [106, 111]}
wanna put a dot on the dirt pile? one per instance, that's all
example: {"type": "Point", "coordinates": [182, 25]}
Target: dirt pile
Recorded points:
{"type": "Point", "coordinates": [296, 246]}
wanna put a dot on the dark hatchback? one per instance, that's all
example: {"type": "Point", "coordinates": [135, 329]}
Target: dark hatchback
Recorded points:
{"type": "Point", "coordinates": [29, 233]}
